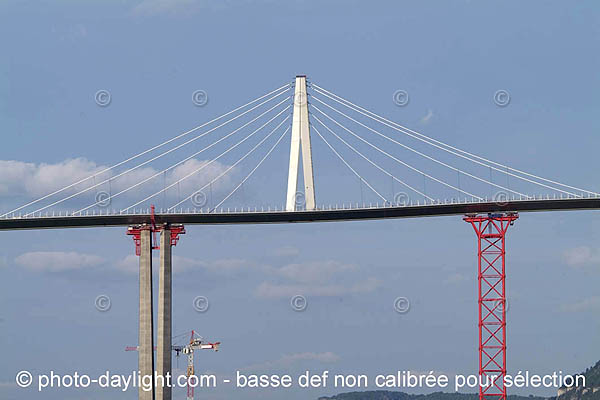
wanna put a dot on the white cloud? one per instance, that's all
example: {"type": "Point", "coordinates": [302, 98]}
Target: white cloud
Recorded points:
{"type": "Point", "coordinates": [171, 7]}
{"type": "Point", "coordinates": [326, 357]}
{"type": "Point", "coordinates": [69, 33]}
{"type": "Point", "coordinates": [581, 256]}
{"type": "Point", "coordinates": [184, 8]}
{"type": "Point", "coordinates": [29, 180]}
{"type": "Point", "coordinates": [589, 304]}
{"type": "Point", "coordinates": [286, 251]}
{"type": "Point", "coordinates": [56, 261]}
{"type": "Point", "coordinates": [18, 178]}
{"type": "Point", "coordinates": [130, 265]}
{"type": "Point", "coordinates": [314, 272]}
{"type": "Point", "coordinates": [288, 360]}
{"type": "Point", "coordinates": [315, 278]}
{"type": "Point", "coordinates": [224, 266]}
{"type": "Point", "coordinates": [455, 278]}
{"type": "Point", "coordinates": [196, 178]}
{"type": "Point", "coordinates": [274, 290]}
{"type": "Point", "coordinates": [228, 265]}
{"type": "Point", "coordinates": [182, 264]}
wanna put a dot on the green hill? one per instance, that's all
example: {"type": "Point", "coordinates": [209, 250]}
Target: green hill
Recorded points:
{"type": "Point", "coordinates": [389, 395]}
{"type": "Point", "coordinates": [591, 391]}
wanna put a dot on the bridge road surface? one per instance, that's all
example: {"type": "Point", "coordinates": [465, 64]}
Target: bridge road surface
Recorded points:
{"type": "Point", "coordinates": [266, 217]}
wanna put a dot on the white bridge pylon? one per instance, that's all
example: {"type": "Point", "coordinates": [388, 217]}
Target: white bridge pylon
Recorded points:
{"type": "Point", "coordinates": [300, 139]}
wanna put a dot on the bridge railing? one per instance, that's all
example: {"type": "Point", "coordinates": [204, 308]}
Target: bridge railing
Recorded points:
{"type": "Point", "coordinates": [282, 208]}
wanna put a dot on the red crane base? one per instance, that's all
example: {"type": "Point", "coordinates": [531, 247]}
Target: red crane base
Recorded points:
{"type": "Point", "coordinates": [491, 230]}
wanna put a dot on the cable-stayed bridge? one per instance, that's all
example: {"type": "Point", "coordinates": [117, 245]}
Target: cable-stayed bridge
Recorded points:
{"type": "Point", "coordinates": [263, 162]}
{"type": "Point", "coordinates": [390, 175]}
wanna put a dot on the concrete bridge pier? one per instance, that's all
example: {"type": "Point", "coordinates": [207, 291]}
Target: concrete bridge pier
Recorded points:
{"type": "Point", "coordinates": [163, 349]}
{"type": "Point", "coordinates": [146, 337]}
{"type": "Point", "coordinates": [143, 237]}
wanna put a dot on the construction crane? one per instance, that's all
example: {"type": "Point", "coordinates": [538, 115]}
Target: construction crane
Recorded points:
{"type": "Point", "coordinates": [196, 342]}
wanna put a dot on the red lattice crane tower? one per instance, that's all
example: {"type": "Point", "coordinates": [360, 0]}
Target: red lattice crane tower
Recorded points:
{"type": "Point", "coordinates": [491, 250]}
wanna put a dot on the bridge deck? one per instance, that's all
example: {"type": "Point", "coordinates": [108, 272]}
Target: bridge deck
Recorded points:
{"type": "Point", "coordinates": [261, 217]}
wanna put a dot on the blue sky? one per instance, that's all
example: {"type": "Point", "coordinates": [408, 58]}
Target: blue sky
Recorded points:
{"type": "Point", "coordinates": [450, 57]}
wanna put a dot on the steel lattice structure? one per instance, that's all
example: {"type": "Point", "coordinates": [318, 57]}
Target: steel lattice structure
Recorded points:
{"type": "Point", "coordinates": [491, 250]}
